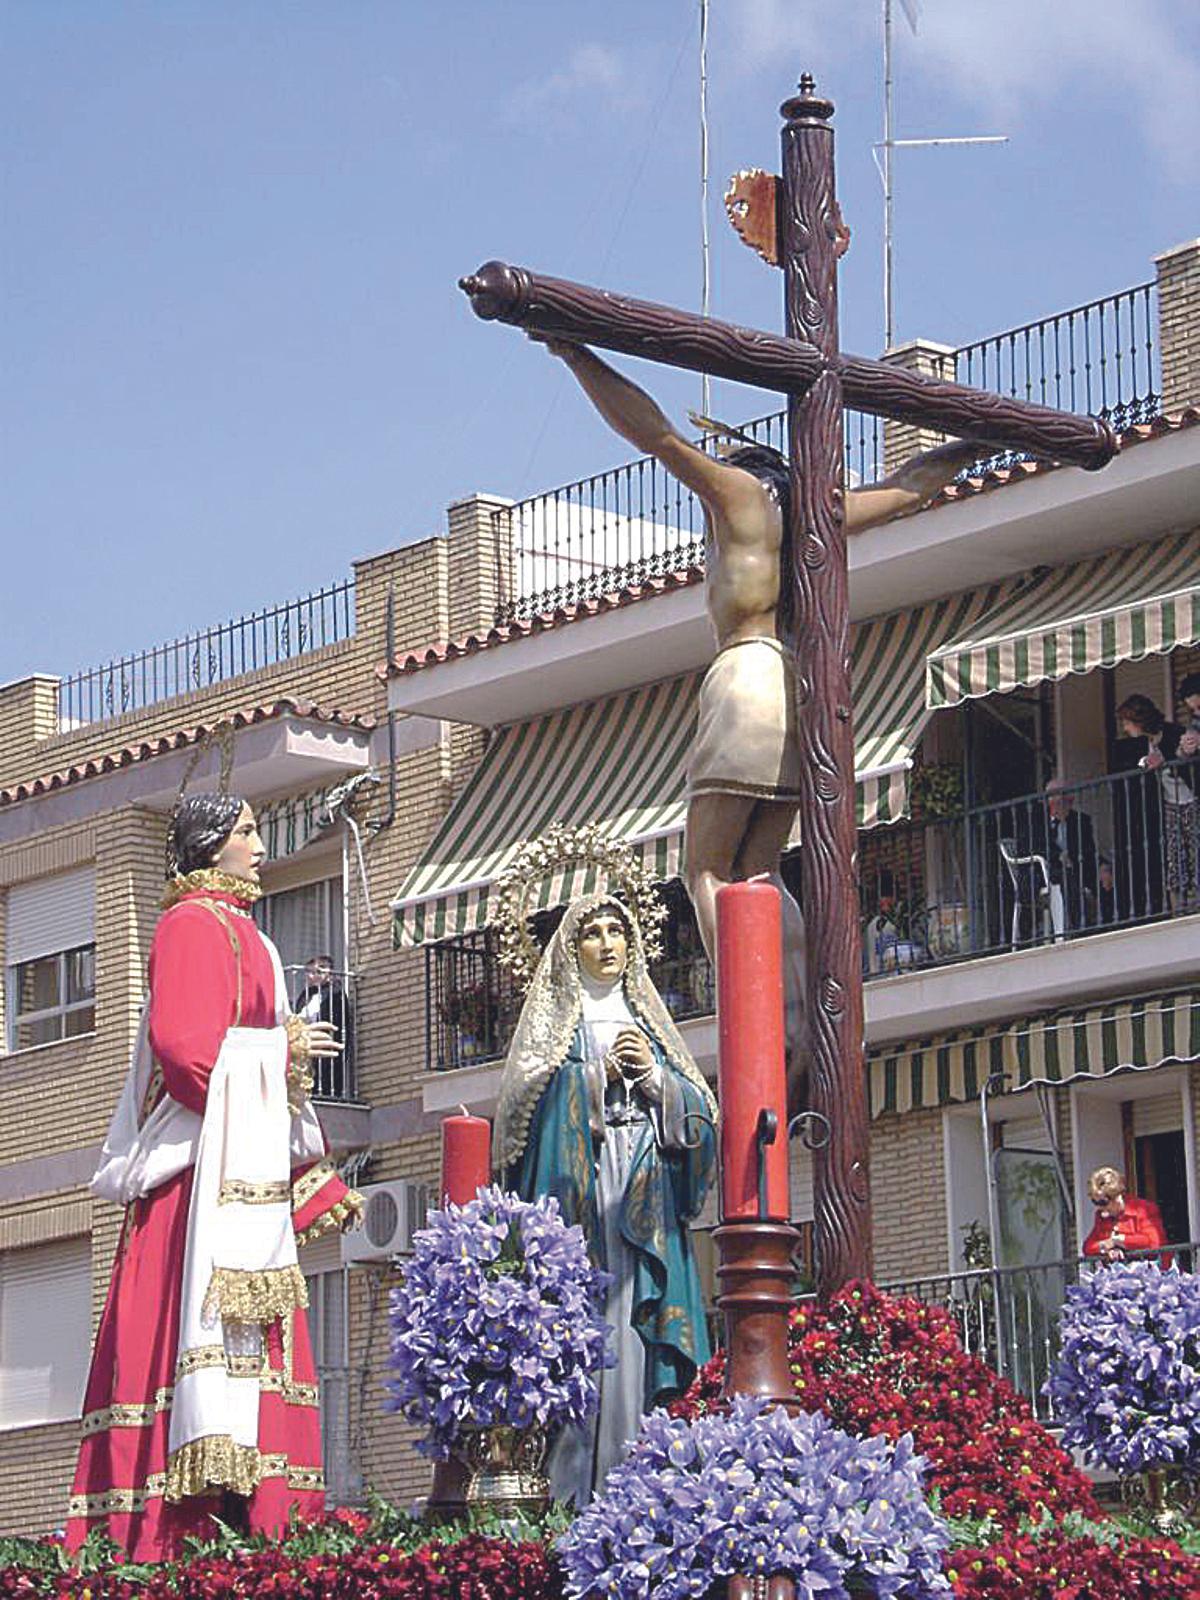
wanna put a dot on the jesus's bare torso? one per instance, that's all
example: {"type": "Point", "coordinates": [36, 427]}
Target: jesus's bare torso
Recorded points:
{"type": "Point", "coordinates": [742, 570]}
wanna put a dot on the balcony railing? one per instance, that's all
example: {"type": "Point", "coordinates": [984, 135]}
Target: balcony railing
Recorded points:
{"type": "Point", "coordinates": [472, 1004]}
{"type": "Point", "coordinates": [1037, 870]}
{"type": "Point", "coordinates": [617, 529]}
{"type": "Point", "coordinates": [1009, 1316]}
{"type": "Point", "coordinates": [334, 1078]}
{"type": "Point", "coordinates": [260, 639]}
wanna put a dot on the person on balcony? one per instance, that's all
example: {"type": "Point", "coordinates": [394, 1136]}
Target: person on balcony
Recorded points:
{"type": "Point", "coordinates": [1179, 817]}
{"type": "Point", "coordinates": [1123, 1222]}
{"type": "Point", "coordinates": [602, 1106]}
{"type": "Point", "coordinates": [744, 769]}
{"type": "Point", "coordinates": [1065, 837]}
{"type": "Point", "coordinates": [202, 1395]}
{"type": "Point", "coordinates": [323, 999]}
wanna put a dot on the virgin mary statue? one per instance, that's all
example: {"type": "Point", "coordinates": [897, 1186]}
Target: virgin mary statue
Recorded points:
{"type": "Point", "coordinates": [602, 1106]}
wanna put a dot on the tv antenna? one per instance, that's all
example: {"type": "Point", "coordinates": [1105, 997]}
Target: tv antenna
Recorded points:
{"type": "Point", "coordinates": [883, 153]}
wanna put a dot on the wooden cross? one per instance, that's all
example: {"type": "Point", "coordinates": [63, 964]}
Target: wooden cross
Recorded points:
{"type": "Point", "coordinates": [808, 237]}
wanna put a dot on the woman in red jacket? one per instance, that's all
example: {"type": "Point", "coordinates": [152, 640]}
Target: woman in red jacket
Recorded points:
{"type": "Point", "coordinates": [202, 1396]}
{"type": "Point", "coordinates": [1123, 1223]}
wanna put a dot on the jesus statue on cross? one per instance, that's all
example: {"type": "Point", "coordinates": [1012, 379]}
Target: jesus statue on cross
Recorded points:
{"type": "Point", "coordinates": [743, 775]}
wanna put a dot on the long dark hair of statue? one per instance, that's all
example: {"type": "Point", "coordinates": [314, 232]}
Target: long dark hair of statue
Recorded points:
{"type": "Point", "coordinates": [770, 467]}
{"type": "Point", "coordinates": [200, 826]}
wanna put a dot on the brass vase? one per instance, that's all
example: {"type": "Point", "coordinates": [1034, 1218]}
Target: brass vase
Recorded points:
{"type": "Point", "coordinates": [505, 1469]}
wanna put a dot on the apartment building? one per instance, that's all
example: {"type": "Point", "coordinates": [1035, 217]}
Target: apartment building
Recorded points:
{"type": "Point", "coordinates": [403, 732]}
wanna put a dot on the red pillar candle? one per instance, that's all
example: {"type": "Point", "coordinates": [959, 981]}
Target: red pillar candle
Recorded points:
{"type": "Point", "coordinates": [750, 1045]}
{"type": "Point", "coordinates": [466, 1156]}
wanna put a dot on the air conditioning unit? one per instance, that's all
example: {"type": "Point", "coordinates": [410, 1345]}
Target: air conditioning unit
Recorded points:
{"type": "Point", "coordinates": [393, 1214]}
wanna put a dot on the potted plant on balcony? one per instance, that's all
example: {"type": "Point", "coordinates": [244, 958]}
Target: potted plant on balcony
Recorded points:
{"type": "Point", "coordinates": [496, 1340]}
{"type": "Point", "coordinates": [467, 1010]}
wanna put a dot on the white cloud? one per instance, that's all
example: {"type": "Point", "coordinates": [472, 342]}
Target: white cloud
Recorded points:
{"type": "Point", "coordinates": [1002, 58]}
{"type": "Point", "coordinates": [593, 78]}
{"type": "Point", "coordinates": [1137, 54]}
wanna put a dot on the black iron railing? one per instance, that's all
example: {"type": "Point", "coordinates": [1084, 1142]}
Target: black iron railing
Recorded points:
{"type": "Point", "coordinates": [260, 639]}
{"type": "Point", "coordinates": [472, 1004]}
{"type": "Point", "coordinates": [1009, 1316]}
{"type": "Point", "coordinates": [1037, 870]}
{"type": "Point", "coordinates": [618, 529]}
{"type": "Point", "coordinates": [1098, 358]}
{"type": "Point", "coordinates": [335, 1001]}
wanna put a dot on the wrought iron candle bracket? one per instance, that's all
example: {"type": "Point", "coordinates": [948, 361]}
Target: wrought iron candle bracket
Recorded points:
{"type": "Point", "coordinates": [812, 1128]}
{"type": "Point", "coordinates": [704, 1118]}
{"type": "Point", "coordinates": [765, 1134]}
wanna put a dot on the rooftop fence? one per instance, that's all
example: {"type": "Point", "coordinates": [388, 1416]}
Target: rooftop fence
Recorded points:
{"type": "Point", "coordinates": [261, 639]}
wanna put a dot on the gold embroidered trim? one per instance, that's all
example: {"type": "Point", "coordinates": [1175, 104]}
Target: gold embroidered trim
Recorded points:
{"type": "Point", "coordinates": [299, 1073]}
{"type": "Point", "coordinates": [294, 1394]}
{"type": "Point", "coordinates": [247, 1366]}
{"type": "Point", "coordinates": [239, 1191]}
{"type": "Point", "coordinates": [235, 1295]}
{"type": "Point", "coordinates": [197, 1358]}
{"type": "Point", "coordinates": [110, 1502]}
{"type": "Point", "coordinates": [122, 1414]}
{"type": "Point", "coordinates": [213, 1462]}
{"type": "Point", "coordinates": [347, 1214]}
{"type": "Point", "coordinates": [213, 879]}
{"type": "Point", "coordinates": [310, 1183]}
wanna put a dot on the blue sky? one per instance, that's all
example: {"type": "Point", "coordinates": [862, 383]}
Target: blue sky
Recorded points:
{"type": "Point", "coordinates": [233, 353]}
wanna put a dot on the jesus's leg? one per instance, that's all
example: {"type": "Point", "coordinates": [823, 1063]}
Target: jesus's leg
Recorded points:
{"type": "Point", "coordinates": [716, 828]}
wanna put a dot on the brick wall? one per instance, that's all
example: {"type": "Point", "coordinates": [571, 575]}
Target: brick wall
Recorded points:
{"type": "Point", "coordinates": [908, 1195]}
{"type": "Point", "coordinates": [1179, 324]}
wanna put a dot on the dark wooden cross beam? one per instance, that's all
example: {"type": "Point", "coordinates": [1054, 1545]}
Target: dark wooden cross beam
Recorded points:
{"type": "Point", "coordinates": [808, 366]}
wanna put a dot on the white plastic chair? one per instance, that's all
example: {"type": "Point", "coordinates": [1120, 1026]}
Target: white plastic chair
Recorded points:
{"type": "Point", "coordinates": [1048, 908]}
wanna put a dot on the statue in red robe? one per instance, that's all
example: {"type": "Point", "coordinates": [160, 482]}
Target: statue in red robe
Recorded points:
{"type": "Point", "coordinates": [202, 1396]}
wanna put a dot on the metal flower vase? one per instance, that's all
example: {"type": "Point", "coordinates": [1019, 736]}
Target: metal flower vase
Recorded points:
{"type": "Point", "coordinates": [505, 1469]}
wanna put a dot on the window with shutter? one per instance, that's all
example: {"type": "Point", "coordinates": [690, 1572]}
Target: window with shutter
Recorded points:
{"type": "Point", "coordinates": [50, 959]}
{"type": "Point", "coordinates": [45, 1332]}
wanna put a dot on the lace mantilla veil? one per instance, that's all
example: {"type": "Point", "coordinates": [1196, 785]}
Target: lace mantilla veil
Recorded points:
{"type": "Point", "coordinates": [551, 1013]}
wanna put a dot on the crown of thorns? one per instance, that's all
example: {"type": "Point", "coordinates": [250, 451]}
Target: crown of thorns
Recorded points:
{"type": "Point", "coordinates": [624, 875]}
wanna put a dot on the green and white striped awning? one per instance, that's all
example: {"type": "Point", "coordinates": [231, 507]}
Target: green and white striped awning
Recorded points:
{"type": "Point", "coordinates": [287, 825]}
{"type": "Point", "coordinates": [622, 761]}
{"type": "Point", "coordinates": [1135, 1033]}
{"type": "Point", "coordinates": [1143, 599]}
{"type": "Point", "coordinates": [888, 665]}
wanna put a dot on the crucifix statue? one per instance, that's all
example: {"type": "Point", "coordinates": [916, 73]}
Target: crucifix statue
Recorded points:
{"type": "Point", "coordinates": [778, 596]}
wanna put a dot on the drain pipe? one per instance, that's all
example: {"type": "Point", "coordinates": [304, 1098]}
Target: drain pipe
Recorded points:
{"type": "Point", "coordinates": [995, 1082]}
{"type": "Point", "coordinates": [390, 646]}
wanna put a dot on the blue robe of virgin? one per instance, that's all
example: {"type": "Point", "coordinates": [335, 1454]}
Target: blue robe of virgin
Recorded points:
{"type": "Point", "coordinates": [665, 1189]}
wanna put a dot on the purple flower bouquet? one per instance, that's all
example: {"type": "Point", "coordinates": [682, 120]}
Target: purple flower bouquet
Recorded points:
{"type": "Point", "coordinates": [756, 1492]}
{"type": "Point", "coordinates": [498, 1321]}
{"type": "Point", "coordinates": [1126, 1384]}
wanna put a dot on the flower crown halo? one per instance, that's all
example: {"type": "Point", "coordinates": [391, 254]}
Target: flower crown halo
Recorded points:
{"type": "Point", "coordinates": [631, 881]}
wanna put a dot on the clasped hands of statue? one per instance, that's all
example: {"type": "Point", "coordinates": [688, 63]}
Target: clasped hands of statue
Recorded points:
{"type": "Point", "coordinates": [629, 1057]}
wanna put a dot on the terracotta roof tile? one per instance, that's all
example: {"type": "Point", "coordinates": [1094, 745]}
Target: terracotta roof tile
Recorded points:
{"type": "Point", "coordinates": [181, 739]}
{"type": "Point", "coordinates": [441, 650]}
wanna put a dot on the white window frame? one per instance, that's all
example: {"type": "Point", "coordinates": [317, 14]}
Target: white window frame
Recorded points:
{"type": "Point", "coordinates": [16, 1018]}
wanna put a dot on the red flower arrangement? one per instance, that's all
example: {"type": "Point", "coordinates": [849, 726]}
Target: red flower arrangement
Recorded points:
{"type": "Point", "coordinates": [874, 1363]}
{"type": "Point", "coordinates": [472, 1568]}
{"type": "Point", "coordinates": [1055, 1567]}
